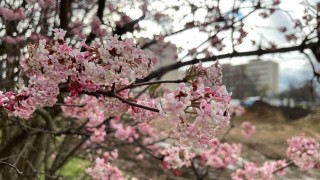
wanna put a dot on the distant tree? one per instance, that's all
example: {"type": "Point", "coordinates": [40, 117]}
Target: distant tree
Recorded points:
{"type": "Point", "coordinates": [306, 92]}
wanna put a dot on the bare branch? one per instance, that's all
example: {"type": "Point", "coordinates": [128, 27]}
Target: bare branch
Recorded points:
{"type": "Point", "coordinates": [258, 52]}
{"type": "Point", "coordinates": [12, 166]}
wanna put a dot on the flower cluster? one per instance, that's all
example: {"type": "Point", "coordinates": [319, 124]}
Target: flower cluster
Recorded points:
{"type": "Point", "coordinates": [50, 65]}
{"type": "Point", "coordinates": [143, 115]}
{"type": "Point", "coordinates": [304, 151]}
{"type": "Point", "coordinates": [124, 132]}
{"type": "Point", "coordinates": [96, 27]}
{"type": "Point", "coordinates": [207, 104]}
{"type": "Point", "coordinates": [103, 170]}
{"type": "Point", "coordinates": [266, 172]}
{"type": "Point", "coordinates": [117, 60]}
{"type": "Point", "coordinates": [47, 3]}
{"type": "Point", "coordinates": [12, 15]}
{"type": "Point", "coordinates": [237, 110]}
{"type": "Point", "coordinates": [12, 40]}
{"type": "Point", "coordinates": [220, 155]}
{"type": "Point", "coordinates": [210, 76]}
{"type": "Point", "coordinates": [91, 112]}
{"type": "Point", "coordinates": [247, 129]}
{"type": "Point", "coordinates": [142, 131]}
{"type": "Point", "coordinates": [39, 93]}
{"type": "Point", "coordinates": [176, 157]}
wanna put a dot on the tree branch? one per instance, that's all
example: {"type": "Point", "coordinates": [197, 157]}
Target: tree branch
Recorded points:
{"type": "Point", "coordinates": [151, 83]}
{"type": "Point", "coordinates": [258, 52]}
{"type": "Point", "coordinates": [12, 166]}
{"type": "Point", "coordinates": [110, 94]}
{"type": "Point", "coordinates": [47, 117]}
{"type": "Point", "coordinates": [283, 167]}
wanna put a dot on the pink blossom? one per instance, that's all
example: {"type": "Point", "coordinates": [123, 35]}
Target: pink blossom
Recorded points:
{"type": "Point", "coordinates": [59, 34]}
{"type": "Point", "coordinates": [47, 4]}
{"type": "Point", "coordinates": [124, 132]}
{"type": "Point", "coordinates": [76, 28]}
{"type": "Point", "coordinates": [247, 129]}
{"type": "Point", "coordinates": [98, 134]}
{"type": "Point", "coordinates": [111, 155]}
{"type": "Point", "coordinates": [220, 155]}
{"type": "Point", "coordinates": [209, 106]}
{"type": "Point", "coordinates": [103, 170]}
{"type": "Point", "coordinates": [237, 110]}
{"type": "Point", "coordinates": [124, 19]}
{"type": "Point", "coordinates": [265, 172]}
{"type": "Point", "coordinates": [12, 40]}
{"type": "Point", "coordinates": [12, 15]}
{"type": "Point", "coordinates": [140, 157]}
{"type": "Point", "coordinates": [304, 151]}
{"type": "Point", "coordinates": [176, 157]}
{"type": "Point", "coordinates": [96, 27]}
{"type": "Point", "coordinates": [143, 115]}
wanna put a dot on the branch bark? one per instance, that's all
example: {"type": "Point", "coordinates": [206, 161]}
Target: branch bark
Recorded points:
{"type": "Point", "coordinates": [258, 52]}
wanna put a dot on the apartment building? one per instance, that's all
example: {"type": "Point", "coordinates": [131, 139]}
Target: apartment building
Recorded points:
{"type": "Point", "coordinates": [257, 78]}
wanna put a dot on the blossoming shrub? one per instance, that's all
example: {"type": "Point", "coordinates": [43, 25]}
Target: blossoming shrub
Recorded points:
{"type": "Point", "coordinates": [95, 86]}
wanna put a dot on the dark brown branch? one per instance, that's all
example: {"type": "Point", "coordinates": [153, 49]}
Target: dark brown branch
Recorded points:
{"type": "Point", "coordinates": [147, 150]}
{"type": "Point", "coordinates": [283, 167]}
{"type": "Point", "coordinates": [110, 94]}
{"type": "Point", "coordinates": [64, 11]}
{"type": "Point", "coordinates": [129, 27]}
{"type": "Point", "coordinates": [135, 104]}
{"type": "Point", "coordinates": [72, 152]}
{"type": "Point", "coordinates": [70, 105]}
{"type": "Point", "coordinates": [47, 117]}
{"type": "Point", "coordinates": [258, 52]}
{"type": "Point", "coordinates": [195, 170]}
{"type": "Point", "coordinates": [101, 6]}
{"type": "Point", "coordinates": [12, 166]}
{"type": "Point", "coordinates": [151, 83]}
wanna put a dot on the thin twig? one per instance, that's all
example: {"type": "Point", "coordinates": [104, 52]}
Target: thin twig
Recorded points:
{"type": "Point", "coordinates": [148, 151]}
{"type": "Point", "coordinates": [195, 170]}
{"type": "Point", "coordinates": [21, 153]}
{"type": "Point", "coordinates": [12, 166]}
{"type": "Point", "coordinates": [71, 105]}
{"type": "Point", "coordinates": [110, 94]}
{"type": "Point", "coordinates": [135, 104]}
{"type": "Point", "coordinates": [150, 83]}
{"type": "Point", "coordinates": [283, 167]}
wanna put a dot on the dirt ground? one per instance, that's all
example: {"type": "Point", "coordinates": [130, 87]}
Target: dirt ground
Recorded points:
{"type": "Point", "coordinates": [268, 143]}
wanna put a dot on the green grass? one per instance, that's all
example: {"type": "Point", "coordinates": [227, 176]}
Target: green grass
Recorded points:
{"type": "Point", "coordinates": [74, 168]}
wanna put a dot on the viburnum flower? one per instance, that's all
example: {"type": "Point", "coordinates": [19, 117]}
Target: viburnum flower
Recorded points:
{"type": "Point", "coordinates": [91, 112]}
{"type": "Point", "coordinates": [266, 172]}
{"type": "Point", "coordinates": [176, 157]}
{"type": "Point", "coordinates": [110, 156]}
{"type": "Point", "coordinates": [247, 129]}
{"type": "Point", "coordinates": [12, 40]}
{"type": "Point", "coordinates": [236, 110]}
{"type": "Point", "coordinates": [51, 64]}
{"type": "Point", "coordinates": [220, 155]}
{"type": "Point", "coordinates": [124, 132]}
{"type": "Point", "coordinates": [12, 15]}
{"type": "Point", "coordinates": [103, 170]}
{"type": "Point", "coordinates": [206, 103]}
{"type": "Point", "coordinates": [47, 3]}
{"type": "Point", "coordinates": [304, 151]}
{"type": "Point", "coordinates": [96, 27]}
{"type": "Point", "coordinates": [143, 115]}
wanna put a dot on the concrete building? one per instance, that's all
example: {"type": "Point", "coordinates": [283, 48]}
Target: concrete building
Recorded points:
{"type": "Point", "coordinates": [255, 78]}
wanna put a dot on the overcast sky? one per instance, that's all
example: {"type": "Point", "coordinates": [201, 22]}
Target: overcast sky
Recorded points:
{"type": "Point", "coordinates": [294, 67]}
